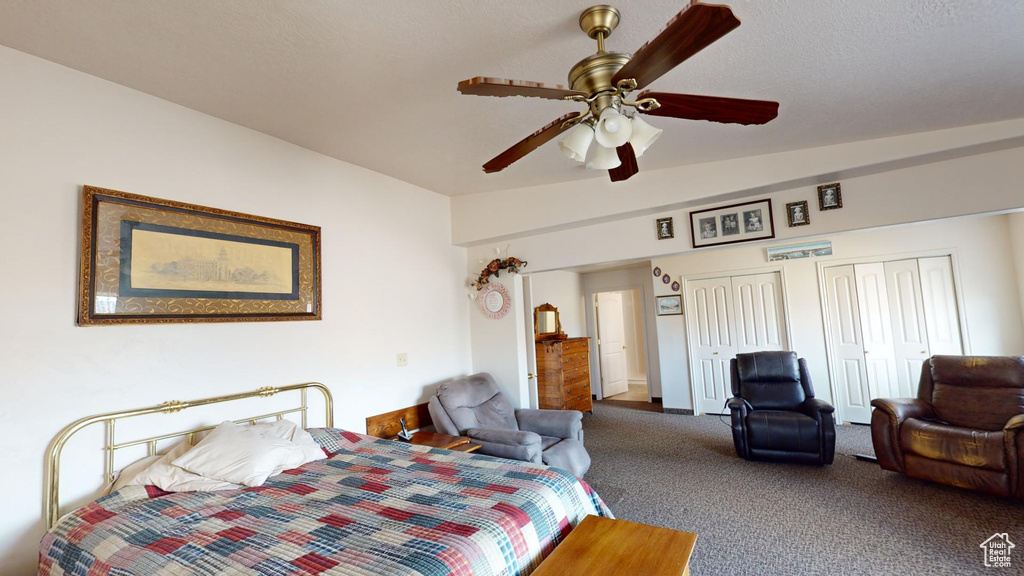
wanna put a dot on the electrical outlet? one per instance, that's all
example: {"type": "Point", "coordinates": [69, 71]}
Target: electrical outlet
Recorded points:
{"type": "Point", "coordinates": [403, 359]}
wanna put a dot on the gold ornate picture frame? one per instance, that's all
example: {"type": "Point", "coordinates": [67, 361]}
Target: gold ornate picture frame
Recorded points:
{"type": "Point", "coordinates": [830, 196]}
{"type": "Point", "coordinates": [148, 260]}
{"type": "Point", "coordinates": [665, 228]}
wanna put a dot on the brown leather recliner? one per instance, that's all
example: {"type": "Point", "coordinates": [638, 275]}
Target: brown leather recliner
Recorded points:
{"type": "Point", "coordinates": [965, 428]}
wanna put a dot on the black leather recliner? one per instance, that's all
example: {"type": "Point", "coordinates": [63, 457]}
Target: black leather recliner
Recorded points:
{"type": "Point", "coordinates": [775, 415]}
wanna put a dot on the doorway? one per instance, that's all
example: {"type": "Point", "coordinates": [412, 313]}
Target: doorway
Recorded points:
{"type": "Point", "coordinates": [621, 345]}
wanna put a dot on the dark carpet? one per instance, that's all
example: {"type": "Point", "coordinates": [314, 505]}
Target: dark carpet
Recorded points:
{"type": "Point", "coordinates": [852, 517]}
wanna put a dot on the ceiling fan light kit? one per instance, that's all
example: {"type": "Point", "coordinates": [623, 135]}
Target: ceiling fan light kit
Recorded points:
{"type": "Point", "coordinates": [603, 159]}
{"type": "Point", "coordinates": [613, 129]}
{"type": "Point", "coordinates": [603, 80]}
{"type": "Point", "coordinates": [575, 145]}
{"type": "Point", "coordinates": [643, 135]}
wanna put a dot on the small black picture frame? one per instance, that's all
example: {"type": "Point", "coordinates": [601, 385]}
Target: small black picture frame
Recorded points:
{"type": "Point", "coordinates": [797, 214]}
{"type": "Point", "coordinates": [830, 196]}
{"type": "Point", "coordinates": [665, 229]}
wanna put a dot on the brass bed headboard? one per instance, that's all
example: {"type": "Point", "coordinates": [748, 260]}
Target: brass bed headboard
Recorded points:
{"type": "Point", "coordinates": [51, 495]}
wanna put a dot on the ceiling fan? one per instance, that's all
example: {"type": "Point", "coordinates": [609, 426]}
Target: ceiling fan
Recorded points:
{"type": "Point", "coordinates": [604, 79]}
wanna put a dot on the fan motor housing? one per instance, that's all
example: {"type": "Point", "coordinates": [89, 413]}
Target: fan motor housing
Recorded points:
{"type": "Point", "coordinates": [594, 73]}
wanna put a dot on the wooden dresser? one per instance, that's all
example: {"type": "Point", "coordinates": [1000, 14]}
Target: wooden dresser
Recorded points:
{"type": "Point", "coordinates": [563, 374]}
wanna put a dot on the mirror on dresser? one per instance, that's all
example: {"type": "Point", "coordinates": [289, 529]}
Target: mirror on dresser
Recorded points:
{"type": "Point", "coordinates": [546, 324]}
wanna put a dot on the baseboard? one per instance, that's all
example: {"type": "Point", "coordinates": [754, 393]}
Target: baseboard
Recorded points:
{"type": "Point", "coordinates": [684, 411]}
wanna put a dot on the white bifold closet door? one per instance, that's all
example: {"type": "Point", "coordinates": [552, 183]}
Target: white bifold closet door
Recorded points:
{"type": "Point", "coordinates": [885, 320]}
{"type": "Point", "coordinates": [729, 316]}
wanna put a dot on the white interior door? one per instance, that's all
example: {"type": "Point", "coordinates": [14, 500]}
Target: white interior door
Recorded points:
{"type": "Point", "coordinates": [909, 335]}
{"type": "Point", "coordinates": [876, 330]}
{"type": "Point", "coordinates": [631, 318]}
{"type": "Point", "coordinates": [711, 339]}
{"type": "Point", "coordinates": [852, 394]}
{"type": "Point", "coordinates": [611, 336]}
{"type": "Point", "coordinates": [940, 308]}
{"type": "Point", "coordinates": [760, 325]}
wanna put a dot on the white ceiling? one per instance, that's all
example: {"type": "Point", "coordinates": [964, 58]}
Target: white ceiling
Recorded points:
{"type": "Point", "coordinates": [373, 83]}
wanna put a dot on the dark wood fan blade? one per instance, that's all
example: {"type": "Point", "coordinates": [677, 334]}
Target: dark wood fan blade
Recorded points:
{"type": "Point", "coordinates": [528, 144]}
{"type": "Point", "coordinates": [628, 166]}
{"type": "Point", "coordinates": [692, 30]}
{"type": "Point", "coordinates": [481, 86]}
{"type": "Point", "coordinates": [712, 108]}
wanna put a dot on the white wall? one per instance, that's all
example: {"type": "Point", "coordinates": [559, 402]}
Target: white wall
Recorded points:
{"type": "Point", "coordinates": [499, 345]}
{"type": "Point", "coordinates": [583, 203]}
{"type": "Point", "coordinates": [626, 279]}
{"type": "Point", "coordinates": [971, 185]}
{"type": "Point", "coordinates": [671, 344]}
{"type": "Point", "coordinates": [564, 291]}
{"type": "Point", "coordinates": [1016, 224]}
{"type": "Point", "coordinates": [392, 282]}
{"type": "Point", "coordinates": [983, 260]}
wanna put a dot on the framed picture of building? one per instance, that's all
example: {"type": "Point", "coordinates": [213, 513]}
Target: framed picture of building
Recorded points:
{"type": "Point", "coordinates": [148, 260]}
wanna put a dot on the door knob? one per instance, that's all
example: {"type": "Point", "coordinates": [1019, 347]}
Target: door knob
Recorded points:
{"type": "Point", "coordinates": [529, 375]}
{"type": "Point", "coordinates": [623, 347]}
{"type": "Point", "coordinates": [924, 351]}
{"type": "Point", "coordinates": [715, 353]}
{"type": "Point", "coordinates": [867, 351]}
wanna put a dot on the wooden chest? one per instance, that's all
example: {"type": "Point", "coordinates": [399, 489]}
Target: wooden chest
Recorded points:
{"type": "Point", "coordinates": [563, 374]}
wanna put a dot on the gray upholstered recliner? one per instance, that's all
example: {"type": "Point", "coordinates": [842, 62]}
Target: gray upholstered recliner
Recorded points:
{"type": "Point", "coordinates": [473, 406]}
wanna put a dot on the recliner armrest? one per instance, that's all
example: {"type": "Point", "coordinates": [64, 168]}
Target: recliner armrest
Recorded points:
{"type": "Point", "coordinates": [888, 416]}
{"type": "Point", "coordinates": [814, 407]}
{"type": "Point", "coordinates": [1014, 424]}
{"type": "Point", "coordinates": [737, 404]}
{"type": "Point", "coordinates": [899, 409]}
{"type": "Point", "coordinates": [504, 436]}
{"type": "Point", "coordinates": [557, 423]}
{"type": "Point", "coordinates": [738, 410]}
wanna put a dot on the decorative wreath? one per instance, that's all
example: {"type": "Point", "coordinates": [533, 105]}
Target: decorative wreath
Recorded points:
{"type": "Point", "coordinates": [494, 267]}
{"type": "Point", "coordinates": [494, 301]}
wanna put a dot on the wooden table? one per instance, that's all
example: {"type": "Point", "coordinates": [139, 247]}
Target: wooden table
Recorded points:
{"type": "Point", "coordinates": [438, 440]}
{"type": "Point", "coordinates": [605, 546]}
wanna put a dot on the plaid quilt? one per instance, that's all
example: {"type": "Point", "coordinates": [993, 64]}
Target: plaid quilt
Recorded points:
{"type": "Point", "coordinates": [374, 507]}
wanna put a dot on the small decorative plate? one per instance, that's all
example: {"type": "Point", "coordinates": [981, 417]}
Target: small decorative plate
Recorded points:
{"type": "Point", "coordinates": [657, 271]}
{"type": "Point", "coordinates": [494, 301]}
{"type": "Point", "coordinates": [675, 286]}
{"type": "Point", "coordinates": [666, 279]}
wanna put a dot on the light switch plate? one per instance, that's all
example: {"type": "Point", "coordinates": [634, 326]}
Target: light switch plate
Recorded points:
{"type": "Point", "coordinates": [403, 359]}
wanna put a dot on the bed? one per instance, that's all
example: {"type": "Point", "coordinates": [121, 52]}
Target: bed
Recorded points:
{"type": "Point", "coordinates": [373, 506]}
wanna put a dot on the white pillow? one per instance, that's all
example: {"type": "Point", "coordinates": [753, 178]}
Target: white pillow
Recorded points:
{"type": "Point", "coordinates": [248, 455]}
{"type": "Point", "coordinates": [160, 472]}
{"type": "Point", "coordinates": [308, 447]}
